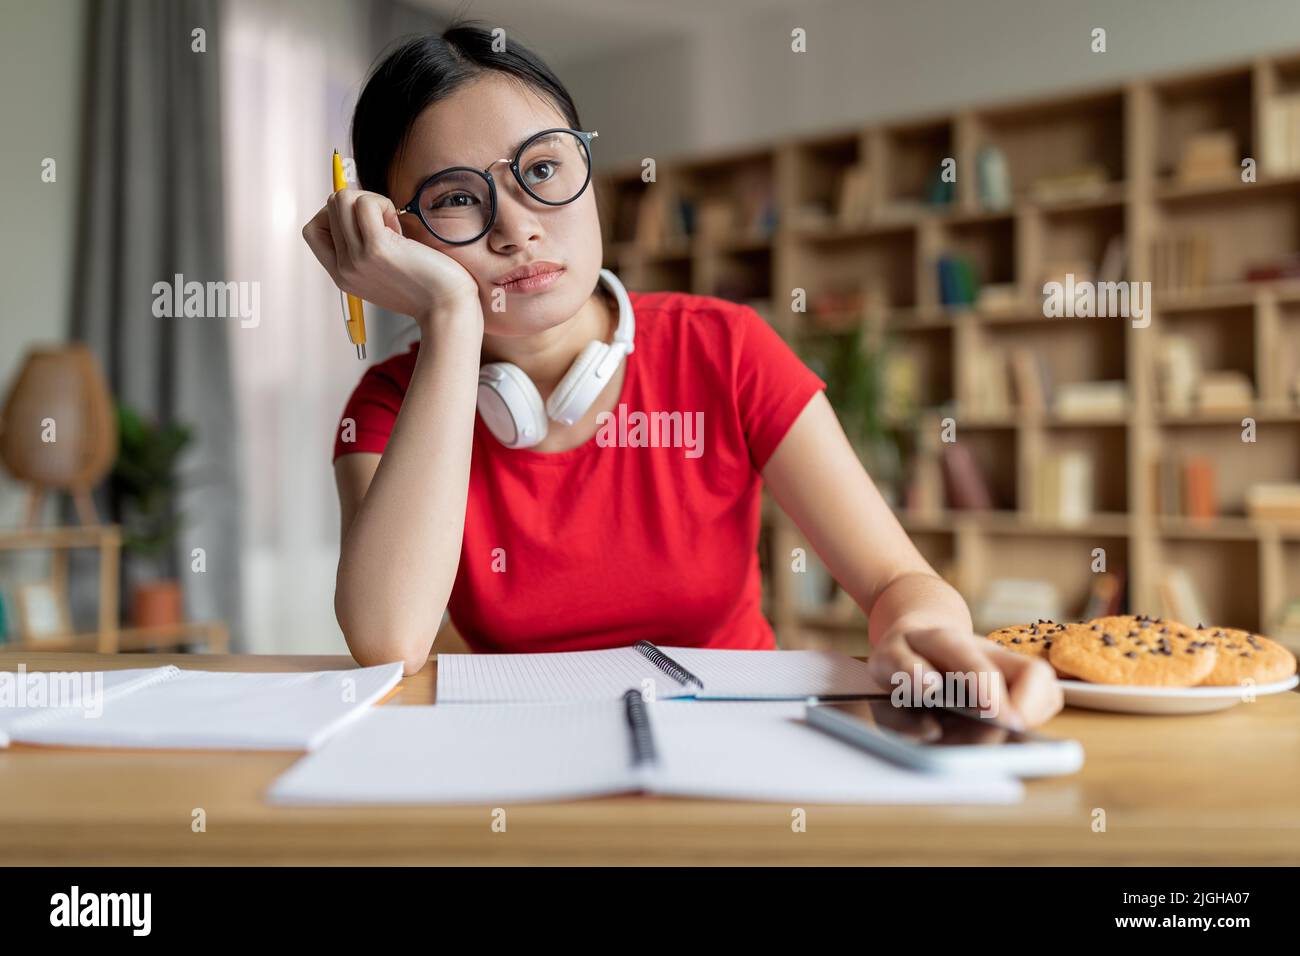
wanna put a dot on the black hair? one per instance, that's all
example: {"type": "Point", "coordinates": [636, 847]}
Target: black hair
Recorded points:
{"type": "Point", "coordinates": [424, 69]}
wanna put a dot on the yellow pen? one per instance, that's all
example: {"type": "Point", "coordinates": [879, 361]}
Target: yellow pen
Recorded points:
{"type": "Point", "coordinates": [356, 317]}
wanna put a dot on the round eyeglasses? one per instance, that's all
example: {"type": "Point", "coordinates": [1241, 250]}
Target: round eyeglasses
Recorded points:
{"type": "Point", "coordinates": [458, 205]}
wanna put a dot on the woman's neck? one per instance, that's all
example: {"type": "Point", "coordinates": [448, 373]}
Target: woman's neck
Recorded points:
{"type": "Point", "coordinates": [546, 356]}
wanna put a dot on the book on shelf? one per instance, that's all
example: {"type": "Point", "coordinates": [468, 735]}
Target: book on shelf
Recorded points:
{"type": "Point", "coordinates": [1009, 601]}
{"type": "Point", "coordinates": [1224, 390]}
{"type": "Point", "coordinates": [1106, 596]}
{"type": "Point", "coordinates": [966, 488]}
{"type": "Point", "coordinates": [990, 385]}
{"type": "Point", "coordinates": [1062, 488]}
{"type": "Point", "coordinates": [1274, 501]}
{"type": "Point", "coordinates": [1082, 182]}
{"type": "Point", "coordinates": [1031, 380]}
{"type": "Point", "coordinates": [1280, 134]}
{"type": "Point", "coordinates": [1180, 261]}
{"type": "Point", "coordinates": [993, 178]}
{"type": "Point", "coordinates": [958, 281]}
{"type": "Point", "coordinates": [1180, 598]}
{"type": "Point", "coordinates": [1100, 399]}
{"type": "Point", "coordinates": [1113, 261]}
{"type": "Point", "coordinates": [1209, 156]}
{"type": "Point", "coordinates": [854, 204]}
{"type": "Point", "coordinates": [1284, 266]}
{"type": "Point", "coordinates": [1185, 487]}
{"type": "Point", "coordinates": [1178, 369]}
{"type": "Point", "coordinates": [900, 385]}
{"type": "Point", "coordinates": [1198, 488]}
{"type": "Point", "coordinates": [924, 495]}
{"type": "Point", "coordinates": [1000, 298]}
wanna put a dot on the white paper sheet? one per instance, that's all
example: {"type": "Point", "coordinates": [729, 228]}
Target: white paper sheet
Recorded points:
{"type": "Point", "coordinates": [606, 675]}
{"type": "Point", "coordinates": [219, 711]}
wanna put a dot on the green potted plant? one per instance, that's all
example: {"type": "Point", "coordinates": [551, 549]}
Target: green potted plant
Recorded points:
{"type": "Point", "coordinates": [144, 486]}
{"type": "Point", "coordinates": [852, 363]}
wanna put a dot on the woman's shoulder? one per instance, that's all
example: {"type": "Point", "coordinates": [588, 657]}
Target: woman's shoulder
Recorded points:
{"type": "Point", "coordinates": [688, 305]}
{"type": "Point", "coordinates": [681, 314]}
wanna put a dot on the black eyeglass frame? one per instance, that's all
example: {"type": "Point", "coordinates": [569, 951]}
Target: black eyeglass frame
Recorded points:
{"type": "Point", "coordinates": [414, 205]}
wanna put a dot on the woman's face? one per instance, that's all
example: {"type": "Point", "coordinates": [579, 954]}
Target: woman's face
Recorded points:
{"type": "Point", "coordinates": [482, 122]}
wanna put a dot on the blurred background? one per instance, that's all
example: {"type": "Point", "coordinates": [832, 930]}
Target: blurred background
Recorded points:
{"type": "Point", "coordinates": [891, 183]}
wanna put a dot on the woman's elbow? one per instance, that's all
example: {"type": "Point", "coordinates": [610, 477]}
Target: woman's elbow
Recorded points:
{"type": "Point", "coordinates": [385, 645]}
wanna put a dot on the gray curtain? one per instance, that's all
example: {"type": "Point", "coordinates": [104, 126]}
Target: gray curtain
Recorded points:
{"type": "Point", "coordinates": [391, 21]}
{"type": "Point", "coordinates": [152, 209]}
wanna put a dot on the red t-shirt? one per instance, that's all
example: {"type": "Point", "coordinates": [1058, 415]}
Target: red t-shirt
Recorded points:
{"type": "Point", "coordinates": [605, 544]}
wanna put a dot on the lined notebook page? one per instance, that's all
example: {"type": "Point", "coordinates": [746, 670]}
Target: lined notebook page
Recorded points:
{"type": "Point", "coordinates": [765, 751]}
{"type": "Point", "coordinates": [221, 711]}
{"type": "Point", "coordinates": [510, 753]}
{"type": "Point", "coordinates": [749, 675]}
{"type": "Point", "coordinates": [488, 753]}
{"type": "Point", "coordinates": [82, 693]}
{"type": "Point", "coordinates": [566, 676]}
{"type": "Point", "coordinates": [605, 675]}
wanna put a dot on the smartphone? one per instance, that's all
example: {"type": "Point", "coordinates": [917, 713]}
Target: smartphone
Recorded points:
{"type": "Point", "coordinates": [942, 739]}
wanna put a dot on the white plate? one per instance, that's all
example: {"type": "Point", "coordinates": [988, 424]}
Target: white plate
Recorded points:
{"type": "Point", "coordinates": [1164, 700]}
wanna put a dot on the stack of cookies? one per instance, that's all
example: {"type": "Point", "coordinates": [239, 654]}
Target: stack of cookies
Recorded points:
{"type": "Point", "coordinates": [1147, 651]}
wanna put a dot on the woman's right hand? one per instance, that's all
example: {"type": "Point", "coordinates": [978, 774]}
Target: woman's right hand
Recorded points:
{"type": "Point", "coordinates": [357, 236]}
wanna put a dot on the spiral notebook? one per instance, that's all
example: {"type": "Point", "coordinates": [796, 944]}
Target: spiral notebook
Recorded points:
{"type": "Point", "coordinates": [515, 753]}
{"type": "Point", "coordinates": [171, 708]}
{"type": "Point", "coordinates": [663, 673]}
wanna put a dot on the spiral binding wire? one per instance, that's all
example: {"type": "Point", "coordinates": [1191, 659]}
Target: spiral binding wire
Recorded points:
{"type": "Point", "coordinates": [643, 743]}
{"type": "Point", "coordinates": [668, 665]}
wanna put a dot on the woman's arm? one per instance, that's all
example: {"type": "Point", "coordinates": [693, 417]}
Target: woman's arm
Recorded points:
{"type": "Point", "coordinates": [404, 511]}
{"type": "Point", "coordinates": [404, 515]}
{"type": "Point", "coordinates": [915, 618]}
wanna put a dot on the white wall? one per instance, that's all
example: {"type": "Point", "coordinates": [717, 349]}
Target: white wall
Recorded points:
{"type": "Point", "coordinates": [737, 81]}
{"type": "Point", "coordinates": [41, 54]}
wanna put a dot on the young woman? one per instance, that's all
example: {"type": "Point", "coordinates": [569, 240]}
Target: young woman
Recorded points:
{"type": "Point", "coordinates": [532, 507]}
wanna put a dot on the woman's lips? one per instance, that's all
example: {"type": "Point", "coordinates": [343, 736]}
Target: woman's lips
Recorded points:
{"type": "Point", "coordinates": [534, 283]}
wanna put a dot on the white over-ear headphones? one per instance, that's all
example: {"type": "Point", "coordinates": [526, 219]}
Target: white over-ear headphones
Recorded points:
{"type": "Point", "coordinates": [510, 404]}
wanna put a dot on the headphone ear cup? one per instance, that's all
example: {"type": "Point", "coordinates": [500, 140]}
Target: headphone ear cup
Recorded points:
{"type": "Point", "coordinates": [579, 387]}
{"type": "Point", "coordinates": [510, 405]}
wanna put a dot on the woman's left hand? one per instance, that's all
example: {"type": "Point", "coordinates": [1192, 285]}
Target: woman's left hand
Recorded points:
{"type": "Point", "coordinates": [1022, 691]}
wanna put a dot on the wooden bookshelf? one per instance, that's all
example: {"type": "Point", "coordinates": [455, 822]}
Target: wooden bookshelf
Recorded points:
{"type": "Point", "coordinates": [859, 218]}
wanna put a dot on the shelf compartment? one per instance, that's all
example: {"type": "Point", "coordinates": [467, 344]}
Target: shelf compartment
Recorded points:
{"type": "Point", "coordinates": [1223, 339]}
{"type": "Point", "coordinates": [1202, 103]}
{"type": "Point", "coordinates": [818, 180]}
{"type": "Point", "coordinates": [1066, 560]}
{"type": "Point", "coordinates": [988, 242]}
{"type": "Point", "coordinates": [913, 159]}
{"type": "Point", "coordinates": [1241, 229]}
{"type": "Point", "coordinates": [1224, 574]}
{"type": "Point", "coordinates": [1050, 139]}
{"type": "Point", "coordinates": [1273, 457]}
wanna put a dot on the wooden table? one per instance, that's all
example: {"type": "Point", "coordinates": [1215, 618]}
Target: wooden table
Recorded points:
{"type": "Point", "coordinates": [1215, 789]}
